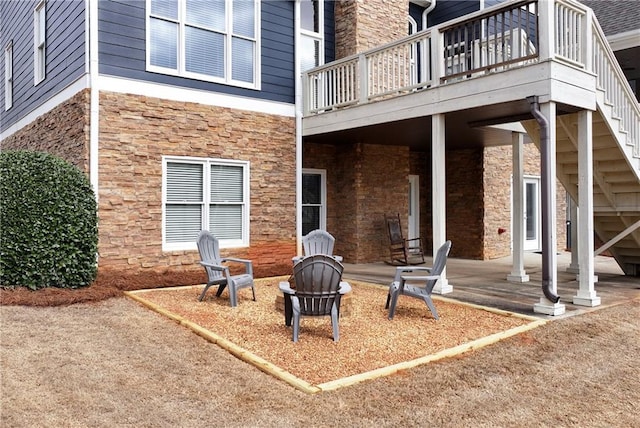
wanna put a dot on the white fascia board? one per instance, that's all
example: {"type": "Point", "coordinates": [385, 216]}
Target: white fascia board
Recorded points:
{"type": "Point", "coordinates": [175, 93]}
{"type": "Point", "coordinates": [626, 40]}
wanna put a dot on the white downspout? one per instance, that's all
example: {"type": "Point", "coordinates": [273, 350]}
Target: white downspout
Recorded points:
{"type": "Point", "coordinates": [298, 126]}
{"type": "Point", "coordinates": [94, 116]}
{"type": "Point", "coordinates": [426, 12]}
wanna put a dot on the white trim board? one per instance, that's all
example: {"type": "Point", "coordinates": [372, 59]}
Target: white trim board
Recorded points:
{"type": "Point", "coordinates": [175, 93]}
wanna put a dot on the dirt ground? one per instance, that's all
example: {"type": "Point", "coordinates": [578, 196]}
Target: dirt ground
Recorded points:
{"type": "Point", "coordinates": [112, 363]}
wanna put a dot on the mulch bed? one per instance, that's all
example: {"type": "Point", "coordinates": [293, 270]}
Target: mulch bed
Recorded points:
{"type": "Point", "coordinates": [368, 340]}
{"type": "Point", "coordinates": [108, 284]}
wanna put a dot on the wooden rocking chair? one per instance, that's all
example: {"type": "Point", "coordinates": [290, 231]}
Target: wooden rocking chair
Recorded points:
{"type": "Point", "coordinates": [402, 251]}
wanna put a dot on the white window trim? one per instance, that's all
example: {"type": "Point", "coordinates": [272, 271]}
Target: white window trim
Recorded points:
{"type": "Point", "coordinates": [319, 35]}
{"type": "Point", "coordinates": [181, 72]}
{"type": "Point", "coordinates": [39, 43]}
{"type": "Point", "coordinates": [8, 76]}
{"type": "Point", "coordinates": [323, 194]}
{"type": "Point", "coordinates": [244, 242]}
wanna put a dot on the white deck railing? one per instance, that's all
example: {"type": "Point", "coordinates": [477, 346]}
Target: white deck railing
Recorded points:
{"type": "Point", "coordinates": [491, 40]}
{"type": "Point", "coordinates": [509, 35]}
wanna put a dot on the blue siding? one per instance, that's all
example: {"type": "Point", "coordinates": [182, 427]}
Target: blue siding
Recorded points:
{"type": "Point", "coordinates": [329, 32]}
{"type": "Point", "coordinates": [489, 3]}
{"type": "Point", "coordinates": [415, 12]}
{"type": "Point", "coordinates": [447, 10]}
{"type": "Point", "coordinates": [122, 49]}
{"type": "Point", "coordinates": [65, 53]}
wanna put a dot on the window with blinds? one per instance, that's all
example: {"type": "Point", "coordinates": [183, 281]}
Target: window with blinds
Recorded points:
{"type": "Point", "coordinates": [207, 40]}
{"type": "Point", "coordinates": [204, 194]}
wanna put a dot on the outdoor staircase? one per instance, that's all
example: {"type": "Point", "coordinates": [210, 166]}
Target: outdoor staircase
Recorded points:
{"type": "Point", "coordinates": [616, 157]}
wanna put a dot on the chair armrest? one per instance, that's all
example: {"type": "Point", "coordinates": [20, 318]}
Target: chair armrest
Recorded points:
{"type": "Point", "coordinates": [247, 263]}
{"type": "Point", "coordinates": [408, 269]}
{"type": "Point", "coordinates": [420, 278]}
{"type": "Point", "coordinates": [214, 266]}
{"type": "Point", "coordinates": [286, 288]}
{"type": "Point", "coordinates": [233, 259]}
{"type": "Point", "coordinates": [344, 287]}
{"type": "Point", "coordinates": [413, 239]}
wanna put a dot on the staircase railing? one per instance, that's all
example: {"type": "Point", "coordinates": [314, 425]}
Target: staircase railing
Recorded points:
{"type": "Point", "coordinates": [611, 80]}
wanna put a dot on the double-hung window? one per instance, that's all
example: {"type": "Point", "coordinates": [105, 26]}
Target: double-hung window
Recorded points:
{"type": "Point", "coordinates": [209, 194]}
{"type": "Point", "coordinates": [8, 76]}
{"type": "Point", "coordinates": [39, 42]}
{"type": "Point", "coordinates": [311, 33]}
{"type": "Point", "coordinates": [216, 41]}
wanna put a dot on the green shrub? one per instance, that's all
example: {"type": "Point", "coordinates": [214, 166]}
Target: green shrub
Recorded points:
{"type": "Point", "coordinates": [48, 222]}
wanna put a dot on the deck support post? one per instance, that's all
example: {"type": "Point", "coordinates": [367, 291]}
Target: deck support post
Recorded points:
{"type": "Point", "coordinates": [586, 295]}
{"type": "Point", "coordinates": [439, 197]}
{"type": "Point", "coordinates": [518, 274]}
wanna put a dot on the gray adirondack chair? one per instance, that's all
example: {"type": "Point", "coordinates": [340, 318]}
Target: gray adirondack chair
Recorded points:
{"type": "Point", "coordinates": [318, 289]}
{"type": "Point", "coordinates": [412, 281]}
{"type": "Point", "coordinates": [218, 274]}
{"type": "Point", "coordinates": [318, 242]}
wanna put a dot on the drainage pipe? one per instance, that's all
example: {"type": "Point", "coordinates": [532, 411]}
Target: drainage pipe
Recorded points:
{"type": "Point", "coordinates": [547, 232]}
{"type": "Point", "coordinates": [425, 13]}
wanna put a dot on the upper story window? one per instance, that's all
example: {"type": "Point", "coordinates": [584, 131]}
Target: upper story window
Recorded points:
{"type": "Point", "coordinates": [8, 76]}
{"type": "Point", "coordinates": [39, 42]}
{"type": "Point", "coordinates": [215, 41]}
{"type": "Point", "coordinates": [312, 33]}
{"type": "Point", "coordinates": [209, 194]}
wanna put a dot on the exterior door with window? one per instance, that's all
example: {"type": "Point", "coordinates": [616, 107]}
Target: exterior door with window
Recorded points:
{"type": "Point", "coordinates": [532, 212]}
{"type": "Point", "coordinates": [314, 211]}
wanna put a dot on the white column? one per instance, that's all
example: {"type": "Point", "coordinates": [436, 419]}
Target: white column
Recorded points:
{"type": "Point", "coordinates": [545, 306]}
{"type": "Point", "coordinates": [518, 273]}
{"type": "Point", "coordinates": [438, 195]}
{"type": "Point", "coordinates": [586, 292]}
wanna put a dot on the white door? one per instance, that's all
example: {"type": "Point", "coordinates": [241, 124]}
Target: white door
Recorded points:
{"type": "Point", "coordinates": [414, 207]}
{"type": "Point", "coordinates": [532, 210]}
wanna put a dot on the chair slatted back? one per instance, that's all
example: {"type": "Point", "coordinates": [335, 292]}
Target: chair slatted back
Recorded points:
{"type": "Point", "coordinates": [395, 230]}
{"type": "Point", "coordinates": [209, 249]}
{"type": "Point", "coordinates": [438, 264]}
{"type": "Point", "coordinates": [317, 280]}
{"type": "Point", "coordinates": [318, 242]}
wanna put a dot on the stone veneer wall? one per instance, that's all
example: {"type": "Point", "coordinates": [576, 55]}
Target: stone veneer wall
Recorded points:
{"type": "Point", "coordinates": [381, 187]}
{"type": "Point", "coordinates": [364, 182]}
{"type": "Point", "coordinates": [63, 131]}
{"type": "Point", "coordinates": [464, 201]}
{"type": "Point", "coordinates": [497, 179]}
{"type": "Point", "coordinates": [497, 196]}
{"type": "Point", "coordinates": [365, 24]}
{"type": "Point", "coordinates": [136, 131]}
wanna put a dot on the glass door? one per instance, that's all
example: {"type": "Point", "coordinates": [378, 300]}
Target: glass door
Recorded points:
{"type": "Point", "coordinates": [532, 223]}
